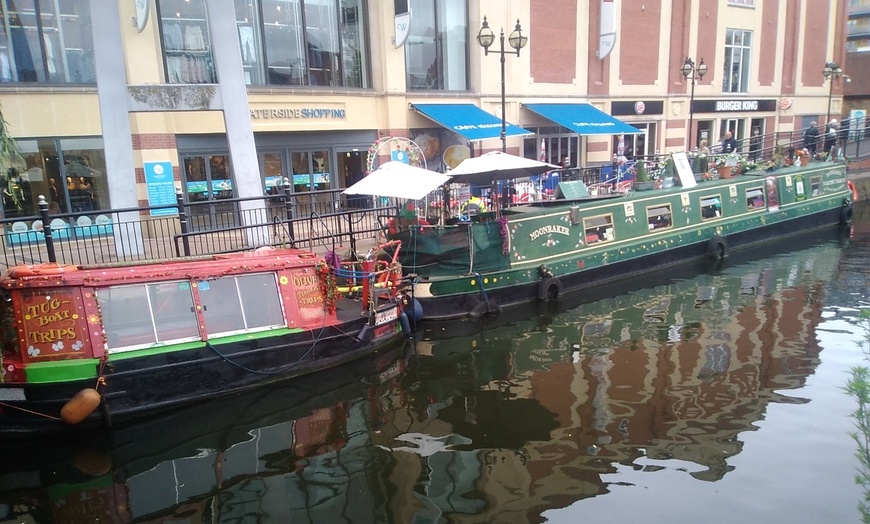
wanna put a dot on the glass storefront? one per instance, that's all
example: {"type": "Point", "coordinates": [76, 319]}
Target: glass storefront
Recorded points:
{"type": "Point", "coordinates": [46, 41]}
{"type": "Point", "coordinates": [69, 172]}
{"type": "Point", "coordinates": [553, 145]}
{"type": "Point", "coordinates": [208, 184]}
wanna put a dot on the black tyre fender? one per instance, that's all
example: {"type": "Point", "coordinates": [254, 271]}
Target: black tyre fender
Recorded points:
{"type": "Point", "coordinates": [484, 307]}
{"type": "Point", "coordinates": [846, 214]}
{"type": "Point", "coordinates": [549, 289]}
{"type": "Point", "coordinates": [717, 247]}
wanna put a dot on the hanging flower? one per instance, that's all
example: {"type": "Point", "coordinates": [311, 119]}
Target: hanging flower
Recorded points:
{"type": "Point", "coordinates": [327, 285]}
{"type": "Point", "coordinates": [505, 235]}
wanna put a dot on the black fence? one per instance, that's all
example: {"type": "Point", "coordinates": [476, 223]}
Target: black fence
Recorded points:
{"type": "Point", "coordinates": [319, 219]}
{"type": "Point", "coordinates": [323, 219]}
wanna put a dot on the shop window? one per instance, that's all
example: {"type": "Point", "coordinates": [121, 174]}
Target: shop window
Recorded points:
{"type": "Point", "coordinates": [636, 146]}
{"type": "Point", "coordinates": [186, 42]}
{"type": "Point", "coordinates": [754, 197]}
{"type": "Point", "coordinates": [436, 50]}
{"type": "Point", "coordinates": [70, 173]}
{"type": "Point", "coordinates": [238, 304]}
{"type": "Point", "coordinates": [208, 183]}
{"type": "Point", "coordinates": [711, 207]}
{"type": "Point", "coordinates": [659, 217]}
{"type": "Point", "coordinates": [139, 316]}
{"type": "Point", "coordinates": [738, 61]}
{"type": "Point", "coordinates": [47, 42]}
{"type": "Point", "coordinates": [598, 229]}
{"type": "Point", "coordinates": [306, 42]}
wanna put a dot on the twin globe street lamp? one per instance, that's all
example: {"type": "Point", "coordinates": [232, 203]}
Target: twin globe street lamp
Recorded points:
{"type": "Point", "coordinates": [692, 72]}
{"type": "Point", "coordinates": [517, 41]}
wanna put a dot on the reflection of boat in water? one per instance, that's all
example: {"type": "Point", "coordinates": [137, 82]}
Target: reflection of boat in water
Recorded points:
{"type": "Point", "coordinates": [193, 459]}
{"type": "Point", "coordinates": [676, 370]}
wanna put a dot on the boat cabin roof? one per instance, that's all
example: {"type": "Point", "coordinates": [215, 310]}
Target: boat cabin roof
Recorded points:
{"type": "Point", "coordinates": [199, 268]}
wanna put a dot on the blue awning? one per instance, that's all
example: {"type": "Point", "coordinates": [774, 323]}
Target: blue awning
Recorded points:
{"type": "Point", "coordinates": [468, 120]}
{"type": "Point", "coordinates": [583, 119]}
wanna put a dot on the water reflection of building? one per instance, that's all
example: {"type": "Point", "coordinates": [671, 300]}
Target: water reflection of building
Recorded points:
{"type": "Point", "coordinates": [674, 372]}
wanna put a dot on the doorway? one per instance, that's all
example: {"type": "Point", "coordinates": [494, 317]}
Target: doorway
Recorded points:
{"type": "Point", "coordinates": [351, 169]}
{"type": "Point", "coordinates": [208, 184]}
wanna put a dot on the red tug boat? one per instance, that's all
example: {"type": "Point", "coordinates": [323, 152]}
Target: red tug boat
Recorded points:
{"type": "Point", "coordinates": [86, 347]}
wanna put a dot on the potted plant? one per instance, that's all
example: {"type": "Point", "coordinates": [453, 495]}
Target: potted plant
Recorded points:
{"type": "Point", "coordinates": [642, 180]}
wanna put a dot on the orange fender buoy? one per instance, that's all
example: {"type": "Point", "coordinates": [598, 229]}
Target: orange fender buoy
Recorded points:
{"type": "Point", "coordinates": [92, 462]}
{"type": "Point", "coordinates": [80, 406]}
{"type": "Point", "coordinates": [854, 190]}
{"type": "Point", "coordinates": [49, 268]}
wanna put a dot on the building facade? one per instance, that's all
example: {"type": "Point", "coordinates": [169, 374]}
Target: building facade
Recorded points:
{"type": "Point", "coordinates": [232, 97]}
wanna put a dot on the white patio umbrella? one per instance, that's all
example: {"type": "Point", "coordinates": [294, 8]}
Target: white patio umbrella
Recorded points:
{"type": "Point", "coordinates": [399, 180]}
{"type": "Point", "coordinates": [496, 165]}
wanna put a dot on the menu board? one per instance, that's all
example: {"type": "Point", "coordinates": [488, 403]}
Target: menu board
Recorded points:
{"type": "Point", "coordinates": [161, 187]}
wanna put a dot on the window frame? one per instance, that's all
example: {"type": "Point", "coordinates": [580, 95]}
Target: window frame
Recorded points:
{"type": "Point", "coordinates": [442, 47]}
{"type": "Point", "coordinates": [105, 306]}
{"type": "Point", "coordinates": [601, 226]}
{"type": "Point", "coordinates": [739, 53]}
{"type": "Point", "coordinates": [247, 310]}
{"type": "Point", "coordinates": [751, 196]}
{"type": "Point", "coordinates": [659, 210]}
{"type": "Point", "coordinates": [718, 198]}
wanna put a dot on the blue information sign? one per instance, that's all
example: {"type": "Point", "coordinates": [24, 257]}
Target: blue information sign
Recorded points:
{"type": "Point", "coordinates": [161, 187]}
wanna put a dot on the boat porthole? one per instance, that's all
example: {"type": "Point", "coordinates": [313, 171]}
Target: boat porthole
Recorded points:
{"type": "Point", "coordinates": [473, 282]}
{"type": "Point", "coordinates": [717, 247]}
{"type": "Point", "coordinates": [549, 289]}
{"type": "Point", "coordinates": [846, 215]}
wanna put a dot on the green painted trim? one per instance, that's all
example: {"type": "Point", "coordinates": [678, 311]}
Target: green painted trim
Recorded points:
{"type": "Point", "coordinates": [61, 371]}
{"type": "Point", "coordinates": [184, 346]}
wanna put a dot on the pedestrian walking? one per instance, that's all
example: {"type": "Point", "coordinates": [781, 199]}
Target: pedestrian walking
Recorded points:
{"type": "Point", "coordinates": [811, 139]}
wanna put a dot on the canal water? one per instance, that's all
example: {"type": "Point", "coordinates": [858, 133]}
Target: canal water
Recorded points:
{"type": "Point", "coordinates": [699, 394]}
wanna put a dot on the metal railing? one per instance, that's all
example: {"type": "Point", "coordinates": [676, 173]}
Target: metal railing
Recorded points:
{"type": "Point", "coordinates": [319, 219]}
{"type": "Point", "coordinates": [322, 219]}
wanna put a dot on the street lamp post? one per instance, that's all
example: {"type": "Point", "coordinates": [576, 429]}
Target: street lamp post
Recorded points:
{"type": "Point", "coordinates": [692, 72]}
{"type": "Point", "coordinates": [831, 72]}
{"type": "Point", "coordinates": [517, 41]}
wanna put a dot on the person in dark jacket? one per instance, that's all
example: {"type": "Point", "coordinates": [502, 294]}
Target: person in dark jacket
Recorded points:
{"type": "Point", "coordinates": [811, 138]}
{"type": "Point", "coordinates": [729, 143]}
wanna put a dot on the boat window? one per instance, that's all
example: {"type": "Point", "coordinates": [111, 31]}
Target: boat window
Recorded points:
{"type": "Point", "coordinates": [815, 185]}
{"type": "Point", "coordinates": [598, 229]}
{"type": "Point", "coordinates": [754, 197]}
{"type": "Point", "coordinates": [659, 217]}
{"type": "Point", "coordinates": [711, 207]}
{"type": "Point", "coordinates": [241, 303]}
{"type": "Point", "coordinates": [138, 316]}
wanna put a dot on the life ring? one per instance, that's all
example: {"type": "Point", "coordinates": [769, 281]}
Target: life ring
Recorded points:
{"type": "Point", "coordinates": [549, 289]}
{"type": "Point", "coordinates": [717, 247]}
{"type": "Point", "coordinates": [846, 214]}
{"type": "Point", "coordinates": [853, 189]}
{"type": "Point", "coordinates": [49, 268]}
